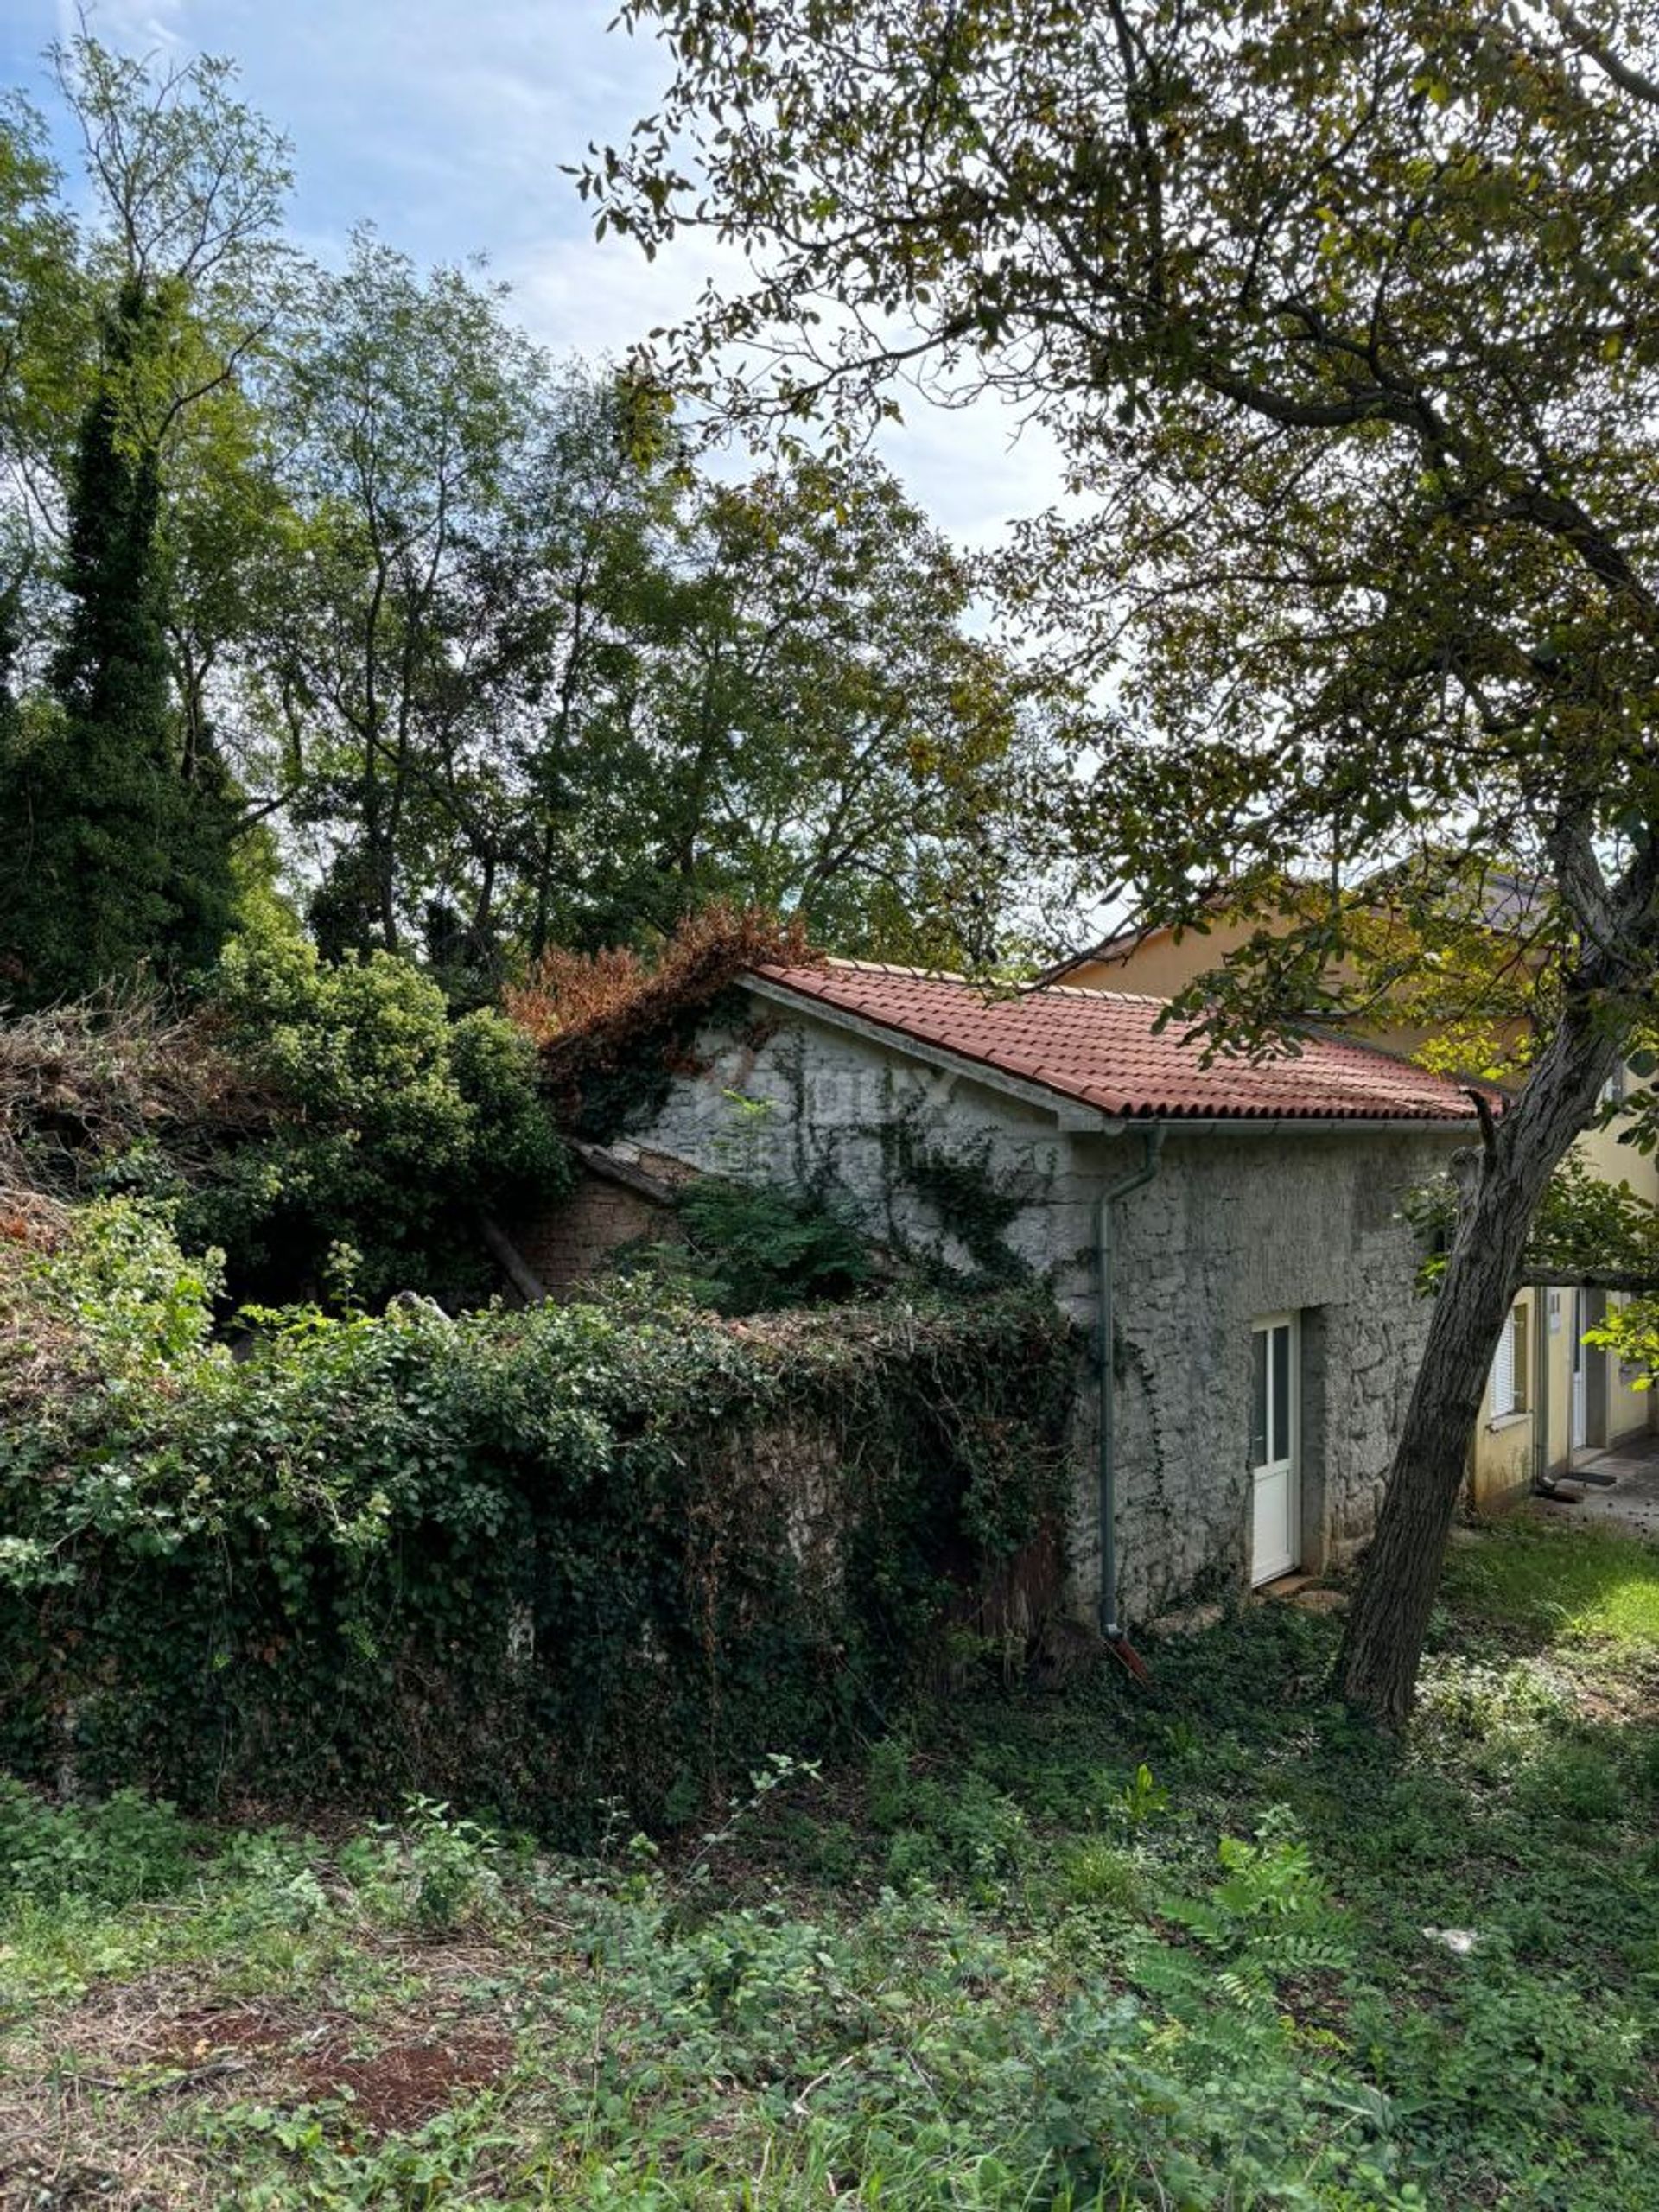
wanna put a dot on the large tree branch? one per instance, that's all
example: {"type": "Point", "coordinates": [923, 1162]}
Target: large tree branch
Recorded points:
{"type": "Point", "coordinates": [1589, 43]}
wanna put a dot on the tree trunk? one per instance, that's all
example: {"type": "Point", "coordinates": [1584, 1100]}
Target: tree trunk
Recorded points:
{"type": "Point", "coordinates": [1378, 1665]}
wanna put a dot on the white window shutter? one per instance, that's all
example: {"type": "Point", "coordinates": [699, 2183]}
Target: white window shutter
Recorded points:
{"type": "Point", "coordinates": [1503, 1369]}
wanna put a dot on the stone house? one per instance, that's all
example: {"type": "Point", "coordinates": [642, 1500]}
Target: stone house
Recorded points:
{"type": "Point", "coordinates": [1551, 1400]}
{"type": "Point", "coordinates": [1253, 1271]}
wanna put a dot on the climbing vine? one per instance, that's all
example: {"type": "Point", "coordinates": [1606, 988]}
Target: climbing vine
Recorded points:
{"type": "Point", "coordinates": [974, 1202]}
{"type": "Point", "coordinates": [530, 1560]}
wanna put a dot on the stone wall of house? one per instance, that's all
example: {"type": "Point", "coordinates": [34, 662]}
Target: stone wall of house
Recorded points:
{"type": "Point", "coordinates": [1235, 1227]}
{"type": "Point", "coordinates": [800, 1103]}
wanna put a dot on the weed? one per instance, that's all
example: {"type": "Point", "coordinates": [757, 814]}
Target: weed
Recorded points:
{"type": "Point", "coordinates": [1095, 1872]}
{"type": "Point", "coordinates": [1141, 1799]}
{"type": "Point", "coordinates": [995, 1967]}
{"type": "Point", "coordinates": [124, 1848]}
{"type": "Point", "coordinates": [451, 1866]}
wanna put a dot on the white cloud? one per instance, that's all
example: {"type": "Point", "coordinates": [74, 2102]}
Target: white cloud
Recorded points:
{"type": "Point", "coordinates": [448, 122]}
{"type": "Point", "coordinates": [137, 26]}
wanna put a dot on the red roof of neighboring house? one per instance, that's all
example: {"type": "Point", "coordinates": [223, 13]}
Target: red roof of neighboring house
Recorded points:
{"type": "Point", "coordinates": [1101, 1048]}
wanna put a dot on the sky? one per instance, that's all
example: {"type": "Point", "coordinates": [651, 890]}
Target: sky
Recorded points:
{"type": "Point", "coordinates": [445, 124]}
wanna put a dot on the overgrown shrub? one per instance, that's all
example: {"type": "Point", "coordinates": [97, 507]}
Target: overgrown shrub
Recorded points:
{"type": "Point", "coordinates": [755, 1250]}
{"type": "Point", "coordinates": [397, 1127]}
{"type": "Point", "coordinates": [524, 1560]}
{"type": "Point", "coordinates": [108, 1853]}
{"type": "Point", "coordinates": [329, 1128]}
{"type": "Point", "coordinates": [105, 1090]}
{"type": "Point", "coordinates": [612, 1026]}
{"type": "Point", "coordinates": [95, 1319]}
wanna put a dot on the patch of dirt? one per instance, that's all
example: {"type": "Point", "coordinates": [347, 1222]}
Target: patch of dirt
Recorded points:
{"type": "Point", "coordinates": [1321, 1599]}
{"type": "Point", "coordinates": [280, 2053]}
{"type": "Point", "coordinates": [209, 2030]}
{"type": "Point", "coordinates": [403, 2084]}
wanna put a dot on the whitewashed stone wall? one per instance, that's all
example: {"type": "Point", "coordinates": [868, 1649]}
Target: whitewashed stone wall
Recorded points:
{"type": "Point", "coordinates": [806, 1105]}
{"type": "Point", "coordinates": [1234, 1227]}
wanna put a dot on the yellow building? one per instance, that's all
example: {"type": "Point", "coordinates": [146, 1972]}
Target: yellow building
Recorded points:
{"type": "Point", "coordinates": [1551, 1400]}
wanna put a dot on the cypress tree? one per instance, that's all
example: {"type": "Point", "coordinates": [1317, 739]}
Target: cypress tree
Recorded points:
{"type": "Point", "coordinates": [120, 851]}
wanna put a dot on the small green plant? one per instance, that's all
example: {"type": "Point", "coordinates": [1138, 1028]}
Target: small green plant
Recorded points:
{"type": "Point", "coordinates": [1182, 1739]}
{"type": "Point", "coordinates": [779, 1771]}
{"type": "Point", "coordinates": [1576, 1782]}
{"type": "Point", "coordinates": [944, 1826]}
{"type": "Point", "coordinates": [1268, 1920]}
{"type": "Point", "coordinates": [1141, 1799]}
{"type": "Point", "coordinates": [452, 1866]}
{"type": "Point", "coordinates": [1096, 1872]}
{"type": "Point", "coordinates": [887, 1794]}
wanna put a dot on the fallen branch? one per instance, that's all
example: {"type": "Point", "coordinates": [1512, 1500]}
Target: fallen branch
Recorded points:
{"type": "Point", "coordinates": [512, 1261]}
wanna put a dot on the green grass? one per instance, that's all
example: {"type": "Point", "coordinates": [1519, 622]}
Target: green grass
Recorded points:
{"type": "Point", "coordinates": [1550, 1581]}
{"type": "Point", "coordinates": [1207, 1943]}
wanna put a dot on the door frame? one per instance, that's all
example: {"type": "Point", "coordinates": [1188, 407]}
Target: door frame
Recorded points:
{"type": "Point", "coordinates": [1578, 1427]}
{"type": "Point", "coordinates": [1264, 1324]}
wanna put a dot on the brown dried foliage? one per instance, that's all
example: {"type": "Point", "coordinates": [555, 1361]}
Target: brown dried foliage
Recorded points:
{"type": "Point", "coordinates": [586, 1010]}
{"type": "Point", "coordinates": [81, 1084]}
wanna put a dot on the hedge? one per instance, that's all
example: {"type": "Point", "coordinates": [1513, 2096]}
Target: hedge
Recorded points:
{"type": "Point", "coordinates": [536, 1562]}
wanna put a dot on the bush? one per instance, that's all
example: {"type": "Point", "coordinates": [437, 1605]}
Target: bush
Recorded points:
{"type": "Point", "coordinates": [113, 1284]}
{"type": "Point", "coordinates": [332, 1128]}
{"type": "Point", "coordinates": [119, 1089]}
{"type": "Point", "coordinates": [521, 1559]}
{"type": "Point", "coordinates": [749, 1250]}
{"type": "Point", "coordinates": [111, 1854]}
{"type": "Point", "coordinates": [395, 1128]}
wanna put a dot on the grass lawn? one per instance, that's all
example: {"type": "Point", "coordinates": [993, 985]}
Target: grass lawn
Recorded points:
{"type": "Point", "coordinates": [1204, 1943]}
{"type": "Point", "coordinates": [1557, 1583]}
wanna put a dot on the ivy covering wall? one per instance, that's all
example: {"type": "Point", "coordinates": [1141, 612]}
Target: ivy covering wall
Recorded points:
{"type": "Point", "coordinates": [528, 1560]}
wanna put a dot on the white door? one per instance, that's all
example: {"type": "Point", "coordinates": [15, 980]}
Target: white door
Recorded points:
{"type": "Point", "coordinates": [1581, 1429]}
{"type": "Point", "coordinates": [1276, 1503]}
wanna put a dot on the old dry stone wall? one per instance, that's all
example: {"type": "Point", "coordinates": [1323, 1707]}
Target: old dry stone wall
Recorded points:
{"type": "Point", "coordinates": [1235, 1227]}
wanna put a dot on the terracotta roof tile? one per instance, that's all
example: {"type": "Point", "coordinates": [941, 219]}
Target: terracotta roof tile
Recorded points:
{"type": "Point", "coordinates": [1101, 1048]}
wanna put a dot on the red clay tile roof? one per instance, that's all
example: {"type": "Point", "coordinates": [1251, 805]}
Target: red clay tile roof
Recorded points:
{"type": "Point", "coordinates": [1100, 1047]}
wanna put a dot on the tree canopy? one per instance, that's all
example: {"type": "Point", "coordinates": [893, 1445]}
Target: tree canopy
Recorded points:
{"type": "Point", "coordinates": [328, 580]}
{"type": "Point", "coordinates": [1346, 321]}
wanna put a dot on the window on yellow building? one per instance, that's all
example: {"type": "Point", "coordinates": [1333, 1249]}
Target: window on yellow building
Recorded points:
{"type": "Point", "coordinates": [1509, 1367]}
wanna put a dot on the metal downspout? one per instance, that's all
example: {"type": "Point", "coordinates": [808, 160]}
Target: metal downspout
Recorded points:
{"type": "Point", "coordinates": [1540, 1298]}
{"type": "Point", "coordinates": [1110, 1627]}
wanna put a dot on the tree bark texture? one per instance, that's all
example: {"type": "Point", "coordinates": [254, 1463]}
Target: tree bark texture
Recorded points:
{"type": "Point", "coordinates": [1378, 1665]}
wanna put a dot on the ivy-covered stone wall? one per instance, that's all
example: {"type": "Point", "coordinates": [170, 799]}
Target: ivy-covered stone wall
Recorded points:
{"type": "Point", "coordinates": [527, 1561]}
